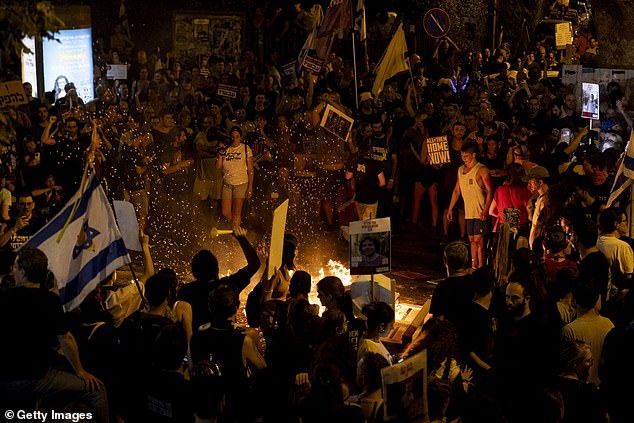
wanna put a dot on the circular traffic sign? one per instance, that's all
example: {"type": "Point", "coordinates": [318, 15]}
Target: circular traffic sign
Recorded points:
{"type": "Point", "coordinates": [436, 23]}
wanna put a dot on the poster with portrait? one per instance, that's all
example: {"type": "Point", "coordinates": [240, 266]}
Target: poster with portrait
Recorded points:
{"type": "Point", "coordinates": [590, 100]}
{"type": "Point", "coordinates": [201, 29]}
{"type": "Point", "coordinates": [337, 122]}
{"type": "Point", "coordinates": [370, 247]}
{"type": "Point", "coordinates": [405, 390]}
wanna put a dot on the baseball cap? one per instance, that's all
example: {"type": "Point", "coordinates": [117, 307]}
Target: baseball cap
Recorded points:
{"type": "Point", "coordinates": [538, 172]}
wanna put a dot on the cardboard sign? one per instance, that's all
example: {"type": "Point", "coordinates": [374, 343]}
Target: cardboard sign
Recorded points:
{"type": "Point", "coordinates": [438, 150]}
{"type": "Point", "coordinates": [337, 122]}
{"type": "Point", "coordinates": [563, 35]}
{"type": "Point", "coordinates": [117, 72]}
{"type": "Point", "coordinates": [228, 91]}
{"type": "Point", "coordinates": [12, 94]}
{"type": "Point", "coordinates": [277, 238]}
{"type": "Point", "coordinates": [128, 224]}
{"type": "Point", "coordinates": [370, 246]}
{"type": "Point", "coordinates": [313, 64]}
{"type": "Point", "coordinates": [405, 389]}
{"type": "Point", "coordinates": [289, 68]}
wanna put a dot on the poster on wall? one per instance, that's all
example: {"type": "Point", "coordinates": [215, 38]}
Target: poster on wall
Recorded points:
{"type": "Point", "coordinates": [68, 58]}
{"type": "Point", "coordinates": [201, 29]}
{"type": "Point", "coordinates": [199, 33]}
{"type": "Point", "coordinates": [29, 68]}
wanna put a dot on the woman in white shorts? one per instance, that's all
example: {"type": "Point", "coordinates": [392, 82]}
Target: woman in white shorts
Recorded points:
{"type": "Point", "coordinates": [237, 171]}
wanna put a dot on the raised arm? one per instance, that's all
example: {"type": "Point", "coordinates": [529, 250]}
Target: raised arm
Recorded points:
{"type": "Point", "coordinates": [253, 261]}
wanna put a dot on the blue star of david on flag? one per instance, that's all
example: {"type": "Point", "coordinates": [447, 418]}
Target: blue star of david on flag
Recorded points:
{"type": "Point", "coordinates": [85, 239]}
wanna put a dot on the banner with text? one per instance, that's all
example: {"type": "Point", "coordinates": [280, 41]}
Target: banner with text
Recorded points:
{"type": "Point", "coordinates": [12, 94]}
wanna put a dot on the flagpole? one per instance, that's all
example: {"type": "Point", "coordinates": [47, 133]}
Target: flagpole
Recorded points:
{"type": "Point", "coordinates": [631, 204]}
{"type": "Point", "coordinates": [136, 282]}
{"type": "Point", "coordinates": [354, 63]}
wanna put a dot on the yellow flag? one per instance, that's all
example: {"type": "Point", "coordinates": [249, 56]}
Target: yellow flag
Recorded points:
{"type": "Point", "coordinates": [393, 61]}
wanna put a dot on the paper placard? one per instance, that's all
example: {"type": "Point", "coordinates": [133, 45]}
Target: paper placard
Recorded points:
{"type": "Point", "coordinates": [337, 122]}
{"type": "Point", "coordinates": [405, 390]}
{"type": "Point", "coordinates": [570, 74]}
{"type": "Point", "coordinates": [370, 246]}
{"type": "Point", "coordinates": [128, 224]}
{"type": "Point", "coordinates": [289, 68]}
{"type": "Point", "coordinates": [12, 94]}
{"type": "Point", "coordinates": [563, 35]}
{"type": "Point", "coordinates": [313, 64]}
{"type": "Point", "coordinates": [277, 238]}
{"type": "Point", "coordinates": [438, 150]}
{"type": "Point", "coordinates": [228, 91]}
{"type": "Point", "coordinates": [117, 72]}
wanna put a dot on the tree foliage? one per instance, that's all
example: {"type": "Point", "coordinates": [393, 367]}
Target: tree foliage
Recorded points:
{"type": "Point", "coordinates": [19, 19]}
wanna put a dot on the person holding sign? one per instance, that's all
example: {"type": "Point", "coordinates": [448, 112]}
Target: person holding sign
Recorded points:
{"type": "Point", "coordinates": [474, 184]}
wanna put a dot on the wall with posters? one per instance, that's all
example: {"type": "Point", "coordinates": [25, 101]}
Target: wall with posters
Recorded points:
{"type": "Point", "coordinates": [575, 75]}
{"type": "Point", "coordinates": [199, 33]}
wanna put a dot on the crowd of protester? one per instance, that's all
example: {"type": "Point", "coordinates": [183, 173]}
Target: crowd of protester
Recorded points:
{"type": "Point", "coordinates": [541, 330]}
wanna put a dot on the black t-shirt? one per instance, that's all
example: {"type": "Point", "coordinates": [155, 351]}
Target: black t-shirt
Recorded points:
{"type": "Point", "coordinates": [601, 193]}
{"type": "Point", "coordinates": [477, 328]}
{"type": "Point", "coordinates": [452, 296]}
{"type": "Point", "coordinates": [366, 179]}
{"type": "Point", "coordinates": [69, 161]}
{"type": "Point", "coordinates": [30, 321]}
{"type": "Point", "coordinates": [167, 397]}
{"type": "Point", "coordinates": [223, 346]}
{"type": "Point", "coordinates": [583, 402]}
{"type": "Point", "coordinates": [196, 293]}
{"type": "Point", "coordinates": [130, 159]}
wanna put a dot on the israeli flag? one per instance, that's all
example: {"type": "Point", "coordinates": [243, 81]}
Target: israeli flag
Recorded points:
{"type": "Point", "coordinates": [625, 173]}
{"type": "Point", "coordinates": [83, 243]}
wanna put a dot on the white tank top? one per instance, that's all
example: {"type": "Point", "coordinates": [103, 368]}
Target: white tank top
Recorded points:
{"type": "Point", "coordinates": [473, 195]}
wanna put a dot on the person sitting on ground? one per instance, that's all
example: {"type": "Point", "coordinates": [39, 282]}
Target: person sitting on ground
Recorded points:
{"type": "Point", "coordinates": [369, 379]}
{"type": "Point", "coordinates": [333, 296]}
{"type": "Point", "coordinates": [166, 394]}
{"type": "Point", "coordinates": [380, 321]}
{"type": "Point", "coordinates": [33, 325]}
{"type": "Point", "coordinates": [121, 299]}
{"type": "Point", "coordinates": [582, 400]}
{"type": "Point", "coordinates": [328, 394]}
